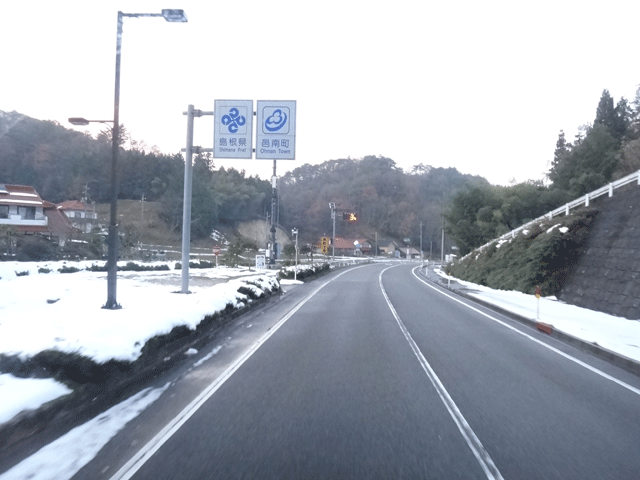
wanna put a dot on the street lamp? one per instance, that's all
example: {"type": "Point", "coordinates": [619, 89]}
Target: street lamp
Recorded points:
{"type": "Point", "coordinates": [295, 273]}
{"type": "Point", "coordinates": [170, 15]}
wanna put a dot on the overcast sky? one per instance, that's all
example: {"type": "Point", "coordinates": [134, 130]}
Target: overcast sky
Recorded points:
{"type": "Point", "coordinates": [482, 86]}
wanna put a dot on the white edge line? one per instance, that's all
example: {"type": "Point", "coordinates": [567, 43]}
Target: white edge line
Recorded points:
{"type": "Point", "coordinates": [540, 342]}
{"type": "Point", "coordinates": [483, 457]}
{"type": "Point", "coordinates": [145, 453]}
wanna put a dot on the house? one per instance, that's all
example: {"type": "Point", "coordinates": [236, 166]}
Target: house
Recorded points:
{"type": "Point", "coordinates": [82, 216]}
{"type": "Point", "coordinates": [364, 246]}
{"type": "Point", "coordinates": [22, 208]}
{"type": "Point", "coordinates": [390, 249]}
{"type": "Point", "coordinates": [409, 253]}
{"type": "Point", "coordinates": [351, 247]}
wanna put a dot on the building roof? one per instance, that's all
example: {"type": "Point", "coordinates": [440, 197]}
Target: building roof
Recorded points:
{"type": "Point", "coordinates": [58, 224]}
{"type": "Point", "coordinates": [22, 195]}
{"type": "Point", "coordinates": [73, 205]}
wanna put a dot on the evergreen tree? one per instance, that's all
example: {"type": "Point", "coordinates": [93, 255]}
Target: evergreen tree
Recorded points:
{"type": "Point", "coordinates": [606, 113]}
{"type": "Point", "coordinates": [561, 166]}
{"type": "Point", "coordinates": [622, 119]}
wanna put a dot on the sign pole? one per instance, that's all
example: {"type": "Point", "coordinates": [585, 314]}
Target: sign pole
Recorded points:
{"type": "Point", "coordinates": [274, 194]}
{"type": "Point", "coordinates": [186, 207]}
{"type": "Point", "coordinates": [191, 113]}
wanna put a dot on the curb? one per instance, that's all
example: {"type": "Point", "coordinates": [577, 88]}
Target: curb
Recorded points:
{"type": "Point", "coordinates": [594, 349]}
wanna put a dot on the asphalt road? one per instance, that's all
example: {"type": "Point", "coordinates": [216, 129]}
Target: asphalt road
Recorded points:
{"type": "Point", "coordinates": [374, 373]}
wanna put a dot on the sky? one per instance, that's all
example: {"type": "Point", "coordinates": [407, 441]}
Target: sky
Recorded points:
{"type": "Point", "coordinates": [484, 87]}
{"type": "Point", "coordinates": [24, 310]}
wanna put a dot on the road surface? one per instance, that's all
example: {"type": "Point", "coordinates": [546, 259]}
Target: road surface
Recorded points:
{"type": "Point", "coordinates": [372, 372]}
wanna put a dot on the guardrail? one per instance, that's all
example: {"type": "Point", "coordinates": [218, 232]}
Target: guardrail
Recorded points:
{"type": "Point", "coordinates": [565, 209]}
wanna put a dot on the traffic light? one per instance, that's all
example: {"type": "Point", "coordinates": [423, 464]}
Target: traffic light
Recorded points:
{"type": "Point", "coordinates": [350, 217]}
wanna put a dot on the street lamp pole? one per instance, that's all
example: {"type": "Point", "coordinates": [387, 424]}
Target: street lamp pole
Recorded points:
{"type": "Point", "coordinates": [295, 273]}
{"type": "Point", "coordinates": [112, 239]}
{"type": "Point", "coordinates": [421, 259]}
{"type": "Point", "coordinates": [170, 15]}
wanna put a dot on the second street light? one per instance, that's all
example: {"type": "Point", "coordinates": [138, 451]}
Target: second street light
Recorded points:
{"type": "Point", "coordinates": [170, 15]}
{"type": "Point", "coordinates": [295, 272]}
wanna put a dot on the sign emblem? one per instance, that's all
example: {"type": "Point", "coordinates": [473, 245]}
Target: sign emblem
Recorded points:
{"type": "Point", "coordinates": [234, 120]}
{"type": "Point", "coordinates": [276, 120]}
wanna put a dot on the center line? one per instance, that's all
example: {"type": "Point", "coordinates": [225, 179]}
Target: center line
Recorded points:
{"type": "Point", "coordinates": [470, 437]}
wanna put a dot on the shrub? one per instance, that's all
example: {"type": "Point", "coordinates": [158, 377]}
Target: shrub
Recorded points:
{"type": "Point", "coordinates": [97, 268]}
{"type": "Point", "coordinates": [134, 267]}
{"type": "Point", "coordinates": [66, 269]}
{"type": "Point", "coordinates": [202, 264]}
{"type": "Point", "coordinates": [249, 292]}
{"type": "Point", "coordinates": [537, 258]}
{"type": "Point", "coordinates": [44, 270]}
{"type": "Point", "coordinates": [75, 367]}
{"type": "Point", "coordinates": [34, 248]}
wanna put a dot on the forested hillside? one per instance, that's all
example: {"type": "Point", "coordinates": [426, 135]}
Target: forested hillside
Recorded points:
{"type": "Point", "coordinates": [603, 151]}
{"type": "Point", "coordinates": [388, 201]}
{"type": "Point", "coordinates": [62, 163]}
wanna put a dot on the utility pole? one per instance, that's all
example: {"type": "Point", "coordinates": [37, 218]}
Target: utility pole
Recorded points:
{"type": "Point", "coordinates": [442, 244]}
{"type": "Point", "coordinates": [332, 206]}
{"type": "Point", "coordinates": [421, 242]}
{"type": "Point", "coordinates": [142, 201]}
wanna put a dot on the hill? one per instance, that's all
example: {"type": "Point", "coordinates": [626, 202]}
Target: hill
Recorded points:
{"type": "Point", "coordinates": [589, 258]}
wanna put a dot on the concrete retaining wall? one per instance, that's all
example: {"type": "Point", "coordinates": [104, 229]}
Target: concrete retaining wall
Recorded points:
{"type": "Point", "coordinates": [607, 276]}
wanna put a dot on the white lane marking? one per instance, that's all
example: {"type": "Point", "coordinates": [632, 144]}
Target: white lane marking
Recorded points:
{"type": "Point", "coordinates": [540, 342]}
{"type": "Point", "coordinates": [139, 459]}
{"type": "Point", "coordinates": [485, 461]}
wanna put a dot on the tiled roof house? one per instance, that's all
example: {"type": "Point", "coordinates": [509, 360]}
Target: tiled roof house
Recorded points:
{"type": "Point", "coordinates": [82, 216]}
{"type": "Point", "coordinates": [22, 208]}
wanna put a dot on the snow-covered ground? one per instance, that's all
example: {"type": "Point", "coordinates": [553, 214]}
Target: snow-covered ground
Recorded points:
{"type": "Point", "coordinates": [62, 311]}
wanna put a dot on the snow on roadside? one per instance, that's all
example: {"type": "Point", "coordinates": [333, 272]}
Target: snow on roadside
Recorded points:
{"type": "Point", "coordinates": [18, 394]}
{"type": "Point", "coordinates": [64, 457]}
{"type": "Point", "coordinates": [617, 334]}
{"type": "Point", "coordinates": [76, 323]}
{"type": "Point", "coordinates": [41, 311]}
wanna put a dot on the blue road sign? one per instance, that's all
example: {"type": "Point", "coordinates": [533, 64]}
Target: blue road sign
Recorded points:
{"type": "Point", "coordinates": [276, 129]}
{"type": "Point", "coordinates": [233, 129]}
